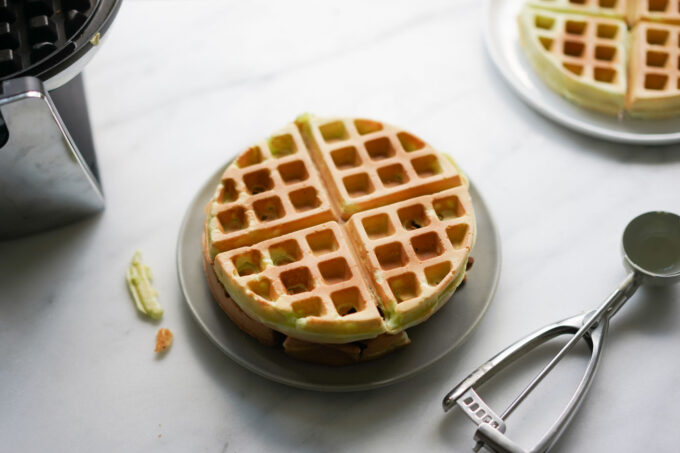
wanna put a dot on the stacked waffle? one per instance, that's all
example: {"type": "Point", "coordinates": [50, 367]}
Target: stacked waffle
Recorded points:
{"type": "Point", "coordinates": [336, 271]}
{"type": "Point", "coordinates": [585, 50]}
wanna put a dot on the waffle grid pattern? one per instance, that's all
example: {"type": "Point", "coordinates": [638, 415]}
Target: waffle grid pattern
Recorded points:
{"type": "Point", "coordinates": [302, 272]}
{"type": "Point", "coordinates": [657, 46]}
{"type": "Point", "coordinates": [646, 74]}
{"type": "Point", "coordinates": [614, 8]}
{"type": "Point", "coordinates": [372, 164]}
{"type": "Point", "coordinates": [657, 10]}
{"type": "Point", "coordinates": [271, 189]}
{"type": "Point", "coordinates": [590, 48]}
{"type": "Point", "coordinates": [310, 273]}
{"type": "Point", "coordinates": [414, 248]}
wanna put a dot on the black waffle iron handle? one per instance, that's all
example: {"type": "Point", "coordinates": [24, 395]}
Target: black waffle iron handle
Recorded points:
{"type": "Point", "coordinates": [45, 181]}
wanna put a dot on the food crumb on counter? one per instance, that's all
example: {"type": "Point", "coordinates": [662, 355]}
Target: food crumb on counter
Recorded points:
{"type": "Point", "coordinates": [145, 296]}
{"type": "Point", "coordinates": [163, 339]}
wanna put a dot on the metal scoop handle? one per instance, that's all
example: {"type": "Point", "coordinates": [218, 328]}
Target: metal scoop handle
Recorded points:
{"type": "Point", "coordinates": [591, 326]}
{"type": "Point", "coordinates": [465, 396]}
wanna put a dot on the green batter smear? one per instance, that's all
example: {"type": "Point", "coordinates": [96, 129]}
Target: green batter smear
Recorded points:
{"type": "Point", "coordinates": [139, 278]}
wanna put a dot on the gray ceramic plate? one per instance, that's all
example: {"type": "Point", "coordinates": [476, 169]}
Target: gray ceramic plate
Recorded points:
{"type": "Point", "coordinates": [502, 41]}
{"type": "Point", "coordinates": [430, 341]}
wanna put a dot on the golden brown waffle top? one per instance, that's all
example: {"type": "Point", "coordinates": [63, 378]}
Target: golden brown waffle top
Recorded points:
{"type": "Point", "coordinates": [370, 164]}
{"type": "Point", "coordinates": [592, 43]}
{"type": "Point", "coordinates": [428, 236]}
{"type": "Point", "coordinates": [654, 10]}
{"type": "Point", "coordinates": [631, 10]}
{"type": "Point", "coordinates": [271, 188]}
{"type": "Point", "coordinates": [587, 46]}
{"type": "Point", "coordinates": [656, 60]}
{"type": "Point", "coordinates": [614, 8]}
{"type": "Point", "coordinates": [281, 246]}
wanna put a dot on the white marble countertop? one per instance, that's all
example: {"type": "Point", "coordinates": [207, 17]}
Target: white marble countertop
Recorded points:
{"type": "Point", "coordinates": [177, 89]}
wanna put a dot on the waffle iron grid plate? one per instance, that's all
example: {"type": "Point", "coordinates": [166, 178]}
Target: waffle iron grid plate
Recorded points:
{"type": "Point", "coordinates": [43, 37]}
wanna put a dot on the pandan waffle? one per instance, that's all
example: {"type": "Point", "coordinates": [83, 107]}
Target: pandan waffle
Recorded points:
{"type": "Point", "coordinates": [335, 235]}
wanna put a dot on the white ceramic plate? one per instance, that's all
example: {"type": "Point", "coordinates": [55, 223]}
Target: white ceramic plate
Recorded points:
{"type": "Point", "coordinates": [502, 39]}
{"type": "Point", "coordinates": [430, 341]}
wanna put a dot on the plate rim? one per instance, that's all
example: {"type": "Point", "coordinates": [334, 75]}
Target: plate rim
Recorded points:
{"type": "Point", "coordinates": [332, 387]}
{"type": "Point", "coordinates": [497, 56]}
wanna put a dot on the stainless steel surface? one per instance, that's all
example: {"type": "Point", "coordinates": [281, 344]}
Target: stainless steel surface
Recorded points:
{"type": "Point", "coordinates": [44, 181]}
{"type": "Point", "coordinates": [474, 407]}
{"type": "Point", "coordinates": [82, 47]}
{"type": "Point", "coordinates": [570, 326]}
{"type": "Point", "coordinates": [651, 248]}
{"type": "Point", "coordinates": [431, 340]}
{"type": "Point", "coordinates": [66, 75]}
{"type": "Point", "coordinates": [494, 441]}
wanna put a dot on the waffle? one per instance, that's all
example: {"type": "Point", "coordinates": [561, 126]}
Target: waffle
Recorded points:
{"type": "Point", "coordinates": [581, 57]}
{"type": "Point", "coordinates": [344, 354]}
{"type": "Point", "coordinates": [667, 11]}
{"type": "Point", "coordinates": [306, 284]}
{"type": "Point", "coordinates": [321, 275]}
{"type": "Point", "coordinates": [416, 251]}
{"type": "Point", "coordinates": [370, 164]}
{"type": "Point", "coordinates": [608, 8]}
{"type": "Point", "coordinates": [270, 189]}
{"type": "Point", "coordinates": [322, 353]}
{"type": "Point", "coordinates": [580, 49]}
{"type": "Point", "coordinates": [654, 75]}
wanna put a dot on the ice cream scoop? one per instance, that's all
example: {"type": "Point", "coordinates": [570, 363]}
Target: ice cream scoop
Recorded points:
{"type": "Point", "coordinates": [651, 253]}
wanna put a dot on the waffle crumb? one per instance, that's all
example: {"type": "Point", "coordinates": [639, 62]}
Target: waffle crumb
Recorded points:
{"type": "Point", "coordinates": [95, 39]}
{"type": "Point", "coordinates": [163, 339]}
{"type": "Point", "coordinates": [469, 264]}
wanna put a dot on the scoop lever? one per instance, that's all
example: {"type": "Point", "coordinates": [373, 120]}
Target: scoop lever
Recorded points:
{"type": "Point", "coordinates": [491, 430]}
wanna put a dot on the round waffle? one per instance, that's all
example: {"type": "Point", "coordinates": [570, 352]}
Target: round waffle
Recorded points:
{"type": "Point", "coordinates": [377, 247]}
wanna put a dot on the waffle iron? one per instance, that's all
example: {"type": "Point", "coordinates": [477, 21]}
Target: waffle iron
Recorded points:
{"type": "Point", "coordinates": [48, 168]}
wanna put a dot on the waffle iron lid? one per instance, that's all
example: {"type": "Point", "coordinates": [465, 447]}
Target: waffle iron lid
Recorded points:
{"type": "Point", "coordinates": [41, 38]}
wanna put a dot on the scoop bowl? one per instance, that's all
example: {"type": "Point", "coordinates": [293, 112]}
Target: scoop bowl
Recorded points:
{"type": "Point", "coordinates": [651, 247]}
